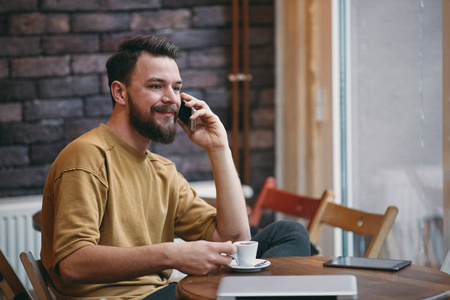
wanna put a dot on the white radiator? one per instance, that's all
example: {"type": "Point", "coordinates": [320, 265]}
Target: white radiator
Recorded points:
{"type": "Point", "coordinates": [16, 231]}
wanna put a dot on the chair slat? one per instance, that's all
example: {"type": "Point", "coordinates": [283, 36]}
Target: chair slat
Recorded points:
{"type": "Point", "coordinates": [350, 219]}
{"type": "Point", "coordinates": [36, 273]}
{"type": "Point", "coordinates": [10, 284]}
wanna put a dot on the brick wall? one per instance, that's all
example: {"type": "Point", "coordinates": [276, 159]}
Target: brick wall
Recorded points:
{"type": "Point", "coordinates": [53, 86]}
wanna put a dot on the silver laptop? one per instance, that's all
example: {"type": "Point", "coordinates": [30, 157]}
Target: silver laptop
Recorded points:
{"type": "Point", "coordinates": [287, 287]}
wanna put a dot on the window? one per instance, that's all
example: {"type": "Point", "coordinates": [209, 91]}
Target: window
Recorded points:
{"type": "Point", "coordinates": [390, 120]}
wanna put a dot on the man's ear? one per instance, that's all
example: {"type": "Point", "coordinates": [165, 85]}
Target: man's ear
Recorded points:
{"type": "Point", "coordinates": [118, 91]}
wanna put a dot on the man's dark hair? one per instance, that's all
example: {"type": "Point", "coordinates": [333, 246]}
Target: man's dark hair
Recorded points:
{"type": "Point", "coordinates": [121, 64]}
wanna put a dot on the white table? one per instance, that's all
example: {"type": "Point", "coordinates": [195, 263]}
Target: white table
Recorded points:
{"type": "Point", "coordinates": [207, 189]}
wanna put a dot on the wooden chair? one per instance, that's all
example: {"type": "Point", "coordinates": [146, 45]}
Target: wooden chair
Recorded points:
{"type": "Point", "coordinates": [37, 275]}
{"type": "Point", "coordinates": [289, 203]}
{"type": "Point", "coordinates": [376, 226]}
{"type": "Point", "coordinates": [10, 284]}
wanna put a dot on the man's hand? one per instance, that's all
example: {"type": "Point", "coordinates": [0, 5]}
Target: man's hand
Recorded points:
{"type": "Point", "coordinates": [201, 257]}
{"type": "Point", "coordinates": [210, 133]}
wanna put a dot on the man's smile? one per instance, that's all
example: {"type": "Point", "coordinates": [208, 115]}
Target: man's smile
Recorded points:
{"type": "Point", "coordinates": [165, 110]}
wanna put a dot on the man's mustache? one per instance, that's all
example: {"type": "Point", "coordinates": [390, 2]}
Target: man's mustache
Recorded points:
{"type": "Point", "coordinates": [166, 109]}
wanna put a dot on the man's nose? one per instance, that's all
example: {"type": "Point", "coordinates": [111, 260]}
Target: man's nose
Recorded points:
{"type": "Point", "coordinates": [171, 97]}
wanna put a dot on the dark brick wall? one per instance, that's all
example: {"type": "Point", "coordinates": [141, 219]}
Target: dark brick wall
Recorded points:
{"type": "Point", "coordinates": [53, 86]}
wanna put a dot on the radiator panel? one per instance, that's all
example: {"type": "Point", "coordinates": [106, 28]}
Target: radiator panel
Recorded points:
{"type": "Point", "coordinates": [16, 230]}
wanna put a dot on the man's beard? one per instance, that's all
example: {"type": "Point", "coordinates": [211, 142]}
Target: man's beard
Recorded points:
{"type": "Point", "coordinates": [146, 124]}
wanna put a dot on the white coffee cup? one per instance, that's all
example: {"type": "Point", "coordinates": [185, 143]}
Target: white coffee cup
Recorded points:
{"type": "Point", "coordinates": [246, 253]}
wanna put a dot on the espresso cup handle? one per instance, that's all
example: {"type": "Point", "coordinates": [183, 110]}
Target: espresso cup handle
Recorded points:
{"type": "Point", "coordinates": [234, 256]}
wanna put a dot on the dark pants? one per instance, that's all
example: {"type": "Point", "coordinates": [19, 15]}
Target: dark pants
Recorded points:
{"type": "Point", "coordinates": [166, 293]}
{"type": "Point", "coordinates": [279, 239]}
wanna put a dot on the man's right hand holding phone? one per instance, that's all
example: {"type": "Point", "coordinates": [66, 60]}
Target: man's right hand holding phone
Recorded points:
{"type": "Point", "coordinates": [209, 131]}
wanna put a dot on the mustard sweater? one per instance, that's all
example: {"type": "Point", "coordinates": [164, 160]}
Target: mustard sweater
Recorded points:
{"type": "Point", "coordinates": [101, 191]}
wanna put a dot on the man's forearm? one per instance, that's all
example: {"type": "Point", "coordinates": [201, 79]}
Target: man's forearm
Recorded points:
{"type": "Point", "coordinates": [102, 264]}
{"type": "Point", "coordinates": [232, 220]}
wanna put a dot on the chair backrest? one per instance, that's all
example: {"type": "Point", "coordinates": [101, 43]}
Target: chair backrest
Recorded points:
{"type": "Point", "coordinates": [37, 275]}
{"type": "Point", "coordinates": [376, 226]}
{"type": "Point", "coordinates": [287, 202]}
{"type": "Point", "coordinates": [10, 284]}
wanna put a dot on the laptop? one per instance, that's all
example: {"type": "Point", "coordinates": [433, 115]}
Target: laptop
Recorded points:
{"type": "Point", "coordinates": [287, 287]}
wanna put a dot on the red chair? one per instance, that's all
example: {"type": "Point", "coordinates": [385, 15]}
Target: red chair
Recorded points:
{"type": "Point", "coordinates": [289, 203]}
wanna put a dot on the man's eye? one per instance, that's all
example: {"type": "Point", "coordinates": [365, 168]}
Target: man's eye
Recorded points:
{"type": "Point", "coordinates": [155, 86]}
{"type": "Point", "coordinates": [177, 88]}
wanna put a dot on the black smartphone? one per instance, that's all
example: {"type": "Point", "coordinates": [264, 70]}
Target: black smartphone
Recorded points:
{"type": "Point", "coordinates": [367, 263]}
{"type": "Point", "coordinates": [185, 113]}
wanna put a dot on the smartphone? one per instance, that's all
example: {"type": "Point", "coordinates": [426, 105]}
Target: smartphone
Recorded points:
{"type": "Point", "coordinates": [367, 263]}
{"type": "Point", "coordinates": [185, 113]}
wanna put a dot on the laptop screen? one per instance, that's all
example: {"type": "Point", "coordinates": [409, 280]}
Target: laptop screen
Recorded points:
{"type": "Point", "coordinates": [288, 297]}
{"type": "Point", "coordinates": [287, 287]}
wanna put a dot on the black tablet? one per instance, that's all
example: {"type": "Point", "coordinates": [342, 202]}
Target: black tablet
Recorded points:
{"type": "Point", "coordinates": [367, 263]}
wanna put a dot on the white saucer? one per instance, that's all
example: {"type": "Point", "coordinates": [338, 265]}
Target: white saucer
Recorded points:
{"type": "Point", "coordinates": [259, 264]}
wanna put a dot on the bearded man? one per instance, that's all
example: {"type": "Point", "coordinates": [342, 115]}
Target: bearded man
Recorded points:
{"type": "Point", "coordinates": [111, 208]}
